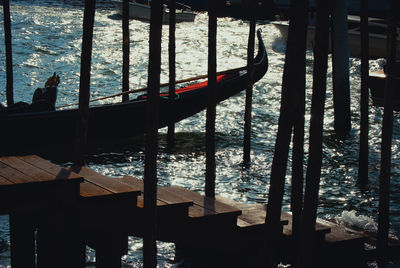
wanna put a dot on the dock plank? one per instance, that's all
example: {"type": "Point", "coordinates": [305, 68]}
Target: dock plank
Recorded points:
{"type": "Point", "coordinates": [204, 206]}
{"type": "Point", "coordinates": [252, 214]}
{"type": "Point", "coordinates": [26, 168]}
{"type": "Point", "coordinates": [45, 165]}
{"type": "Point", "coordinates": [87, 188]}
{"type": "Point", "coordinates": [163, 196]}
{"type": "Point", "coordinates": [4, 181]}
{"type": "Point", "coordinates": [108, 183]}
{"type": "Point", "coordinates": [15, 176]}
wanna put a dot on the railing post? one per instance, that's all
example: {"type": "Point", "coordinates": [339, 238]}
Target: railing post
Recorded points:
{"type": "Point", "coordinates": [211, 107]}
{"type": "Point", "coordinates": [151, 146]}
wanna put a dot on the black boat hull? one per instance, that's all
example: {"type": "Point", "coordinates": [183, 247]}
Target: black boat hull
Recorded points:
{"type": "Point", "coordinates": [29, 132]}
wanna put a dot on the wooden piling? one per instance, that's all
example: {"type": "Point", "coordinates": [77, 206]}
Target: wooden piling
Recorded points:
{"type": "Point", "coordinates": [172, 71]}
{"type": "Point", "coordinates": [249, 93]}
{"type": "Point", "coordinates": [211, 106]}
{"type": "Point", "coordinates": [8, 45]}
{"type": "Point", "coordinates": [22, 237]}
{"type": "Point", "coordinates": [84, 84]}
{"type": "Point", "coordinates": [151, 146]}
{"type": "Point", "coordinates": [304, 250]}
{"type": "Point", "coordinates": [387, 132]}
{"type": "Point", "coordinates": [340, 68]}
{"type": "Point", "coordinates": [294, 58]}
{"type": "Point", "coordinates": [125, 50]}
{"type": "Point", "coordinates": [364, 124]}
{"type": "Point", "coordinates": [296, 200]}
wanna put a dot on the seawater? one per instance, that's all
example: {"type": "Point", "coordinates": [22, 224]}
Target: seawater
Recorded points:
{"type": "Point", "coordinates": [46, 38]}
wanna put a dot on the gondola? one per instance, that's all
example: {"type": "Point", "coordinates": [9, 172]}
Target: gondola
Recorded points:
{"type": "Point", "coordinates": [30, 131]}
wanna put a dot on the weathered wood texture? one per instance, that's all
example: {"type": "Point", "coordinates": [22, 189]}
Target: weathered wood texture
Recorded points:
{"type": "Point", "coordinates": [364, 98]}
{"type": "Point", "coordinates": [36, 199]}
{"type": "Point", "coordinates": [25, 186]}
{"type": "Point", "coordinates": [9, 64]}
{"type": "Point", "coordinates": [84, 82]}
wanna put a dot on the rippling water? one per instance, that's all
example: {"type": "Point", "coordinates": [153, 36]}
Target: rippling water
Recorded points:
{"type": "Point", "coordinates": [47, 39]}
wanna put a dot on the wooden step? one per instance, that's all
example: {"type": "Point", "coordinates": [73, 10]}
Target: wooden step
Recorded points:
{"type": "Point", "coordinates": [95, 185]}
{"type": "Point", "coordinates": [202, 205]}
{"type": "Point", "coordinates": [104, 201]}
{"type": "Point", "coordinates": [163, 197]}
{"type": "Point", "coordinates": [172, 212]}
{"type": "Point", "coordinates": [253, 216]}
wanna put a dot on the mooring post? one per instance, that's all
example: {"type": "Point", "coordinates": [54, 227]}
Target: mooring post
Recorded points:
{"type": "Point", "coordinates": [299, 83]}
{"type": "Point", "coordinates": [340, 62]}
{"type": "Point", "coordinates": [294, 58]}
{"type": "Point", "coordinates": [172, 72]}
{"type": "Point", "coordinates": [9, 64]}
{"type": "Point", "coordinates": [151, 146]}
{"type": "Point", "coordinates": [125, 49]}
{"type": "Point", "coordinates": [211, 105]}
{"type": "Point", "coordinates": [249, 92]}
{"type": "Point", "coordinates": [84, 83]}
{"type": "Point", "coordinates": [364, 124]}
{"type": "Point", "coordinates": [387, 132]}
{"type": "Point", "coordinates": [22, 237]}
{"type": "Point", "coordinates": [313, 175]}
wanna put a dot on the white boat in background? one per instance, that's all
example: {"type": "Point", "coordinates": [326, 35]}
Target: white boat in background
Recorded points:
{"type": "Point", "coordinates": [377, 36]}
{"type": "Point", "coordinates": [140, 10]}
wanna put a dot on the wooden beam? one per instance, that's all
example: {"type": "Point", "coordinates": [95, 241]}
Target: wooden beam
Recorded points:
{"type": "Point", "coordinates": [364, 124]}
{"type": "Point", "coordinates": [151, 146]}
{"type": "Point", "coordinates": [305, 256]}
{"type": "Point", "coordinates": [294, 61]}
{"type": "Point", "coordinates": [249, 93]}
{"type": "Point", "coordinates": [9, 64]}
{"type": "Point", "coordinates": [125, 49]}
{"type": "Point", "coordinates": [84, 85]}
{"type": "Point", "coordinates": [211, 106]}
{"type": "Point", "coordinates": [172, 70]}
{"type": "Point", "coordinates": [387, 132]}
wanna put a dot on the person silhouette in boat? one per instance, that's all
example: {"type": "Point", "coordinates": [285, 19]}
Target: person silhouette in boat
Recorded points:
{"type": "Point", "coordinates": [44, 99]}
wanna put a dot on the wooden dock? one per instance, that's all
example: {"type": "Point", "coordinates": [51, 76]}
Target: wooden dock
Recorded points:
{"type": "Point", "coordinates": [84, 207]}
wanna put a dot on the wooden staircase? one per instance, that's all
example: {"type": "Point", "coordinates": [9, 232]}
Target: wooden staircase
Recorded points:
{"type": "Point", "coordinates": [109, 210]}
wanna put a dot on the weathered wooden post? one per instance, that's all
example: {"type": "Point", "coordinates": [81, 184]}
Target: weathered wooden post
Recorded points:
{"type": "Point", "coordinates": [387, 132]}
{"type": "Point", "coordinates": [299, 78]}
{"type": "Point", "coordinates": [340, 63]}
{"type": "Point", "coordinates": [22, 237]}
{"type": "Point", "coordinates": [172, 71]}
{"type": "Point", "coordinates": [290, 95]}
{"type": "Point", "coordinates": [249, 92]}
{"type": "Point", "coordinates": [125, 49]}
{"type": "Point", "coordinates": [9, 64]}
{"type": "Point", "coordinates": [364, 124]}
{"type": "Point", "coordinates": [84, 84]}
{"type": "Point", "coordinates": [151, 146]}
{"type": "Point", "coordinates": [313, 176]}
{"type": "Point", "coordinates": [211, 106]}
